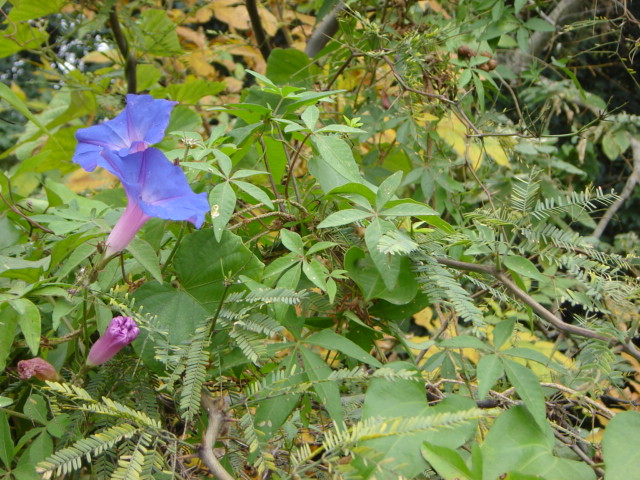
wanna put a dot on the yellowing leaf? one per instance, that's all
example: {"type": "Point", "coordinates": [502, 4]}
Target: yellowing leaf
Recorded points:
{"type": "Point", "coordinates": [494, 150]}
{"type": "Point", "coordinates": [80, 180]}
{"type": "Point", "coordinates": [200, 65]}
{"type": "Point", "coordinates": [454, 132]}
{"type": "Point", "coordinates": [107, 56]}
{"type": "Point", "coordinates": [424, 318]}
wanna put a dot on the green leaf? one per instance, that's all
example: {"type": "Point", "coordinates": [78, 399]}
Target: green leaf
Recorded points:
{"type": "Point", "coordinates": [30, 9]}
{"type": "Point", "coordinates": [289, 66]}
{"type": "Point", "coordinates": [517, 443]}
{"type": "Point", "coordinates": [539, 25]}
{"type": "Point", "coordinates": [362, 270]}
{"type": "Point", "coordinates": [387, 189]}
{"type": "Point", "coordinates": [333, 164]}
{"type": "Point", "coordinates": [158, 33]}
{"type": "Point", "coordinates": [204, 266]}
{"type": "Point", "coordinates": [387, 265]}
{"type": "Point", "coordinates": [502, 332]}
{"type": "Point", "coordinates": [518, 4]}
{"type": "Point", "coordinates": [146, 256]}
{"type": "Point", "coordinates": [446, 461]}
{"type": "Point", "coordinates": [224, 197]}
{"type": "Point", "coordinates": [523, 266]}
{"type": "Point", "coordinates": [328, 392]}
{"type": "Point", "coordinates": [391, 398]}
{"type": "Point", "coordinates": [8, 330]}
{"type": "Point", "coordinates": [6, 442]}
{"type": "Point", "coordinates": [317, 247]}
{"type": "Point", "coordinates": [620, 446]}
{"type": "Point", "coordinates": [292, 241]}
{"type": "Point", "coordinates": [310, 117]}
{"type": "Point", "coordinates": [528, 387]}
{"type": "Point", "coordinates": [344, 217]}
{"type": "Point", "coordinates": [536, 356]}
{"type": "Point", "coordinates": [464, 341]}
{"type": "Point", "coordinates": [355, 188]}
{"type": "Point", "coordinates": [254, 191]}
{"type": "Point", "coordinates": [489, 371]}
{"type": "Point", "coordinates": [315, 272]}
{"type": "Point", "coordinates": [408, 208]}
{"type": "Point", "coordinates": [332, 341]}
{"type": "Point", "coordinates": [29, 321]}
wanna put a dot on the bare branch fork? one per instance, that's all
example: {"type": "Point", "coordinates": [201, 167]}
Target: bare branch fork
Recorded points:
{"type": "Point", "coordinates": [216, 420]}
{"type": "Point", "coordinates": [540, 310]}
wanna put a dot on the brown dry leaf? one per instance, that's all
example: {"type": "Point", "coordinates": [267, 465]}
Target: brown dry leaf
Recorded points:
{"type": "Point", "coordinates": [80, 180]}
{"type": "Point", "coordinates": [229, 12]}
{"type": "Point", "coordinates": [435, 6]}
{"type": "Point", "coordinates": [199, 63]}
{"type": "Point", "coordinates": [269, 21]}
{"type": "Point", "coordinates": [202, 15]}
{"type": "Point", "coordinates": [197, 38]}
{"type": "Point", "coordinates": [251, 55]}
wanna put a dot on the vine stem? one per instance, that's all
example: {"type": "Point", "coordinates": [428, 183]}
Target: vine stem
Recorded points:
{"type": "Point", "coordinates": [127, 54]}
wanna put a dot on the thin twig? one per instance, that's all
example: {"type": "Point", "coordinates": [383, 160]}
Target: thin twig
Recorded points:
{"type": "Point", "coordinates": [127, 54]}
{"type": "Point", "coordinates": [633, 179]}
{"type": "Point", "coordinates": [17, 211]}
{"type": "Point", "coordinates": [216, 421]}
{"type": "Point", "coordinates": [404, 85]}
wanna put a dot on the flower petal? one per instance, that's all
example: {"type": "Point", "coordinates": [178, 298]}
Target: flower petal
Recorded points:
{"type": "Point", "coordinates": [159, 187]}
{"type": "Point", "coordinates": [142, 123]}
{"type": "Point", "coordinates": [120, 333]}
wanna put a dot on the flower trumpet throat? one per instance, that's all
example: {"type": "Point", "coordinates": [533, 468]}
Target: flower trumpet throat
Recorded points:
{"type": "Point", "coordinates": [120, 333]}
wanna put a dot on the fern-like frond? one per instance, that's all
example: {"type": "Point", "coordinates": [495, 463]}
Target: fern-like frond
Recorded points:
{"type": "Point", "coordinates": [115, 409]}
{"type": "Point", "coordinates": [72, 392]}
{"type": "Point", "coordinates": [195, 373]}
{"type": "Point", "coordinates": [395, 242]}
{"type": "Point", "coordinates": [374, 428]}
{"type": "Point", "coordinates": [275, 295]}
{"type": "Point", "coordinates": [441, 285]}
{"type": "Point", "coordinates": [264, 460]}
{"type": "Point", "coordinates": [251, 344]}
{"type": "Point", "coordinates": [524, 194]}
{"type": "Point", "coordinates": [70, 459]}
{"type": "Point", "coordinates": [130, 466]}
{"type": "Point", "coordinates": [260, 323]}
{"type": "Point", "coordinates": [589, 200]}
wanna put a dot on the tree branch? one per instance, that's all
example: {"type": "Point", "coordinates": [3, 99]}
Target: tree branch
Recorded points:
{"type": "Point", "coordinates": [324, 31]}
{"type": "Point", "coordinates": [540, 310]}
{"type": "Point", "coordinates": [127, 55]}
{"type": "Point", "coordinates": [633, 179]}
{"type": "Point", "coordinates": [258, 30]}
{"type": "Point", "coordinates": [216, 421]}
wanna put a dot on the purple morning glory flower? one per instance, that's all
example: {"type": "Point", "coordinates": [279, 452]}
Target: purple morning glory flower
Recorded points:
{"type": "Point", "coordinates": [120, 333]}
{"type": "Point", "coordinates": [155, 187]}
{"type": "Point", "coordinates": [140, 125]}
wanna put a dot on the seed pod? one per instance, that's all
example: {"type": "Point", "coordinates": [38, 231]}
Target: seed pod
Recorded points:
{"type": "Point", "coordinates": [465, 53]}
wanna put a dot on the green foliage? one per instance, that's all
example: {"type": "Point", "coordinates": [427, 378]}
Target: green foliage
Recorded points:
{"type": "Point", "coordinates": [406, 272]}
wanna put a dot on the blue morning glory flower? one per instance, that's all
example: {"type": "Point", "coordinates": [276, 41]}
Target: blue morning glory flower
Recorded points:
{"type": "Point", "coordinates": [155, 187]}
{"type": "Point", "coordinates": [141, 124]}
